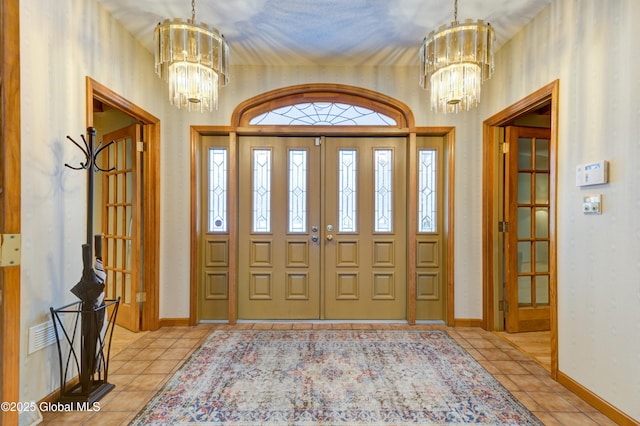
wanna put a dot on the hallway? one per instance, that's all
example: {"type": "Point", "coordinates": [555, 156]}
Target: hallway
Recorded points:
{"type": "Point", "coordinates": [142, 362]}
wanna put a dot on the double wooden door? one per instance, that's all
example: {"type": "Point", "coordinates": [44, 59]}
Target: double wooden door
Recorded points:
{"type": "Point", "coordinates": [322, 228]}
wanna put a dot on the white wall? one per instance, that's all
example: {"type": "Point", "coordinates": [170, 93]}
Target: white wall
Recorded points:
{"type": "Point", "coordinates": [598, 267]}
{"type": "Point", "coordinates": [591, 47]}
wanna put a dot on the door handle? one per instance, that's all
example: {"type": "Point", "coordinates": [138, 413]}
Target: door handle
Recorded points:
{"type": "Point", "coordinates": [314, 238]}
{"type": "Point", "coordinates": [329, 237]}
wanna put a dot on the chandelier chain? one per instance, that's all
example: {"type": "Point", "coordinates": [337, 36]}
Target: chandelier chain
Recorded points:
{"type": "Point", "coordinates": [193, 10]}
{"type": "Point", "coordinates": [455, 11]}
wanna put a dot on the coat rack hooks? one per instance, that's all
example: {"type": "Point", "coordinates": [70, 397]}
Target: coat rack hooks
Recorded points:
{"type": "Point", "coordinates": [90, 154]}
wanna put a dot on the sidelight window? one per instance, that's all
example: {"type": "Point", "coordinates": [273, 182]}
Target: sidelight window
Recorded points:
{"type": "Point", "coordinates": [262, 190]}
{"type": "Point", "coordinates": [427, 194]}
{"type": "Point", "coordinates": [217, 212]}
{"type": "Point", "coordinates": [383, 178]}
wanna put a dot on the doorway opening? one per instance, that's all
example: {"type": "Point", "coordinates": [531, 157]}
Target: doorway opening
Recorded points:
{"type": "Point", "coordinates": [310, 184]}
{"type": "Point", "coordinates": [128, 203]}
{"type": "Point", "coordinates": [519, 217]}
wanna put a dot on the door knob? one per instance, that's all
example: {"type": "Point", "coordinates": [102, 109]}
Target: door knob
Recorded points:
{"type": "Point", "coordinates": [314, 238]}
{"type": "Point", "coordinates": [329, 237]}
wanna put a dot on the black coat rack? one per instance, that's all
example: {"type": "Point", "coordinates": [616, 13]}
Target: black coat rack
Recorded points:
{"type": "Point", "coordinates": [90, 312]}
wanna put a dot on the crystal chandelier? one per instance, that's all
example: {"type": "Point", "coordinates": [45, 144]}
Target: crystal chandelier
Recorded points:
{"type": "Point", "coordinates": [455, 61]}
{"type": "Point", "coordinates": [194, 60]}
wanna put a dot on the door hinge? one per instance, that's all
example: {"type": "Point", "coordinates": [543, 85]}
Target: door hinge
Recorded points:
{"type": "Point", "coordinates": [10, 249]}
{"type": "Point", "coordinates": [141, 297]}
{"type": "Point", "coordinates": [504, 147]}
{"type": "Point", "coordinates": [140, 146]}
{"type": "Point", "coordinates": [503, 226]}
{"type": "Point", "coordinates": [503, 305]}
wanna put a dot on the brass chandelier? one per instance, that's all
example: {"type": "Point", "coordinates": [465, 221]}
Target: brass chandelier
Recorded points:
{"type": "Point", "coordinates": [193, 59]}
{"type": "Point", "coordinates": [455, 61]}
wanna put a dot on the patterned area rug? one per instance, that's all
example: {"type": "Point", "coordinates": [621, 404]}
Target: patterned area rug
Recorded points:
{"type": "Point", "coordinates": [336, 377]}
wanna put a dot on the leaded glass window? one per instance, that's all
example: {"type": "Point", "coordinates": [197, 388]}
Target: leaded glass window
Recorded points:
{"type": "Point", "coordinates": [427, 195]}
{"type": "Point", "coordinates": [297, 190]}
{"type": "Point", "coordinates": [262, 190]}
{"type": "Point", "coordinates": [383, 190]}
{"type": "Point", "coordinates": [217, 214]}
{"type": "Point", "coordinates": [347, 190]}
{"type": "Point", "coordinates": [322, 114]}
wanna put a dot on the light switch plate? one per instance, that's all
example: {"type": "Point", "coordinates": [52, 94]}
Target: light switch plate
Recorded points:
{"type": "Point", "coordinates": [592, 204]}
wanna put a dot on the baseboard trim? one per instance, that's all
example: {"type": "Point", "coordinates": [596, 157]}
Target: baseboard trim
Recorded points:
{"type": "Point", "coordinates": [174, 322]}
{"type": "Point", "coordinates": [594, 400]}
{"type": "Point", "coordinates": [467, 322]}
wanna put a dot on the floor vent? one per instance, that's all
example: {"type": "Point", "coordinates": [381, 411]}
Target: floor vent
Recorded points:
{"type": "Point", "coordinates": [41, 336]}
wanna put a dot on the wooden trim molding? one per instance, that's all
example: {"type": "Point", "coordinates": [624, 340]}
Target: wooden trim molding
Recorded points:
{"type": "Point", "coordinates": [449, 226]}
{"type": "Point", "coordinates": [150, 318]}
{"type": "Point", "coordinates": [10, 185]}
{"type": "Point", "coordinates": [490, 214]}
{"type": "Point", "coordinates": [175, 322]}
{"type": "Point", "coordinates": [467, 322]}
{"type": "Point", "coordinates": [595, 401]}
{"type": "Point", "coordinates": [292, 95]}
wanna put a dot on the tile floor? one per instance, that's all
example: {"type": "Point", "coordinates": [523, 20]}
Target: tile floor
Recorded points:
{"type": "Point", "coordinates": [142, 362]}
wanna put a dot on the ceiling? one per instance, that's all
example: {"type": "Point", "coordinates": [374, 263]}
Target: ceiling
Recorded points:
{"type": "Point", "coordinates": [324, 32]}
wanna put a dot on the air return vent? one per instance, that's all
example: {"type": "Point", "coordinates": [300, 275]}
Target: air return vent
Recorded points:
{"type": "Point", "coordinates": [41, 335]}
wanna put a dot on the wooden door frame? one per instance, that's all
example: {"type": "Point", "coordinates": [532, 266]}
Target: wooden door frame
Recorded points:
{"type": "Point", "coordinates": [328, 93]}
{"type": "Point", "coordinates": [490, 211]}
{"type": "Point", "coordinates": [10, 203]}
{"type": "Point", "coordinates": [150, 215]}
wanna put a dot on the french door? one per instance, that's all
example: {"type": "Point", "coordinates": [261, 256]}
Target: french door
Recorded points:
{"type": "Point", "coordinates": [322, 228]}
{"type": "Point", "coordinates": [121, 204]}
{"type": "Point", "coordinates": [527, 250]}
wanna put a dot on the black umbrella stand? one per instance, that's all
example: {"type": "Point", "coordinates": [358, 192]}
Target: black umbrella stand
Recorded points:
{"type": "Point", "coordinates": [84, 328]}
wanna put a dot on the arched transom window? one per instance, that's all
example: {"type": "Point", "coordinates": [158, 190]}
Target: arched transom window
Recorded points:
{"type": "Point", "coordinates": [323, 114]}
{"type": "Point", "coordinates": [322, 105]}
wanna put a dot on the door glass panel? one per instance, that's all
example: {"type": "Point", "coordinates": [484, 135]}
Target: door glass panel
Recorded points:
{"type": "Point", "coordinates": [322, 113]}
{"type": "Point", "coordinates": [542, 290]}
{"type": "Point", "coordinates": [347, 190]}
{"type": "Point", "coordinates": [542, 256]}
{"type": "Point", "coordinates": [383, 177]}
{"type": "Point", "coordinates": [524, 188]}
{"type": "Point", "coordinates": [524, 222]}
{"type": "Point", "coordinates": [524, 256]}
{"type": "Point", "coordinates": [427, 195]}
{"type": "Point", "coordinates": [297, 190]}
{"type": "Point", "coordinates": [542, 188]}
{"type": "Point", "coordinates": [129, 187]}
{"type": "Point", "coordinates": [217, 219]}
{"type": "Point", "coordinates": [542, 154]}
{"type": "Point", "coordinates": [524, 291]}
{"type": "Point", "coordinates": [262, 190]}
{"type": "Point", "coordinates": [129, 152]}
{"type": "Point", "coordinates": [524, 154]}
{"type": "Point", "coordinates": [542, 222]}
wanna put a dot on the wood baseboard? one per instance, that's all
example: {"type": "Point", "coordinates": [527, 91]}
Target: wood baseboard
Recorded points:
{"type": "Point", "coordinates": [174, 322]}
{"type": "Point", "coordinates": [594, 400]}
{"type": "Point", "coordinates": [467, 322]}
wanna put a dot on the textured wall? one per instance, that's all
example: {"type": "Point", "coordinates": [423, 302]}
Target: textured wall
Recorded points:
{"type": "Point", "coordinates": [61, 43]}
{"type": "Point", "coordinates": [591, 47]}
